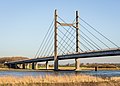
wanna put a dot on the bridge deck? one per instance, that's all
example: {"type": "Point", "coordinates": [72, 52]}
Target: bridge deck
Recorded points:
{"type": "Point", "coordinates": [99, 53]}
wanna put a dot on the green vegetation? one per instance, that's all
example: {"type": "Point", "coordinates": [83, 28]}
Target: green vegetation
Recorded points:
{"type": "Point", "coordinates": [9, 59]}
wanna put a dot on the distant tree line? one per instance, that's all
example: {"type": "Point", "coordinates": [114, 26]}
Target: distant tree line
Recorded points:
{"type": "Point", "coordinates": [9, 59]}
{"type": "Point", "coordinates": [92, 65]}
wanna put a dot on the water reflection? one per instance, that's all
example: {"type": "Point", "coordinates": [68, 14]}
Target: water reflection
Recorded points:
{"type": "Point", "coordinates": [60, 73]}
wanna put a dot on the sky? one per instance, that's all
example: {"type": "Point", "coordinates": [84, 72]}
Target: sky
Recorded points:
{"type": "Point", "coordinates": [23, 23]}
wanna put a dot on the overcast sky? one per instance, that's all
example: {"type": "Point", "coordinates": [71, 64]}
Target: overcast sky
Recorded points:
{"type": "Point", "coordinates": [23, 23]}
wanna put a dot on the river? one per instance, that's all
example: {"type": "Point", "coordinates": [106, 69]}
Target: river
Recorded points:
{"type": "Point", "coordinates": [101, 73]}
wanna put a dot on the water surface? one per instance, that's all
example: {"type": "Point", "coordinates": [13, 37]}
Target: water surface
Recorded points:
{"type": "Point", "coordinates": [101, 73]}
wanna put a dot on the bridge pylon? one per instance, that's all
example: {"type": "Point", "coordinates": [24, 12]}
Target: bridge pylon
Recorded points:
{"type": "Point", "coordinates": [77, 60]}
{"type": "Point", "coordinates": [55, 42]}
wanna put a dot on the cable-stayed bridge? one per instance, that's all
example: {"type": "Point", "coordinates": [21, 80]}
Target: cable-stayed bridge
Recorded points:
{"type": "Point", "coordinates": [74, 40]}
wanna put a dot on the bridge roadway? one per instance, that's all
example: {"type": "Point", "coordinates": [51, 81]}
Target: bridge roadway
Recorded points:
{"type": "Point", "coordinates": [99, 53]}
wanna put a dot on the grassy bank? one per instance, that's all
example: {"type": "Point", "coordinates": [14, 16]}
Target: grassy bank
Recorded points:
{"type": "Point", "coordinates": [73, 80]}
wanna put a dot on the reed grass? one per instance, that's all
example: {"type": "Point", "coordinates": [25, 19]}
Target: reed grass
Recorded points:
{"type": "Point", "coordinates": [49, 80]}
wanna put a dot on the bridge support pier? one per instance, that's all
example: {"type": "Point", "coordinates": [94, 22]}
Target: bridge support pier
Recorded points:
{"type": "Point", "coordinates": [96, 68]}
{"type": "Point", "coordinates": [56, 65]}
{"type": "Point", "coordinates": [23, 65]}
{"type": "Point", "coordinates": [47, 65]}
{"type": "Point", "coordinates": [10, 65]}
{"type": "Point", "coordinates": [15, 65]}
{"type": "Point", "coordinates": [34, 65]}
{"type": "Point", "coordinates": [77, 64]}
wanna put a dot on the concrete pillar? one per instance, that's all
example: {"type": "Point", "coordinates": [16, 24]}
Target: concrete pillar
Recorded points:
{"type": "Point", "coordinates": [47, 65]}
{"type": "Point", "coordinates": [10, 65]}
{"type": "Point", "coordinates": [15, 66]}
{"type": "Point", "coordinates": [23, 65]}
{"type": "Point", "coordinates": [77, 64]}
{"type": "Point", "coordinates": [96, 68]}
{"type": "Point", "coordinates": [34, 65]}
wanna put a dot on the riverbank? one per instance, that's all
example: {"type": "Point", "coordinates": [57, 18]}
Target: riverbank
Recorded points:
{"type": "Point", "coordinates": [49, 80]}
